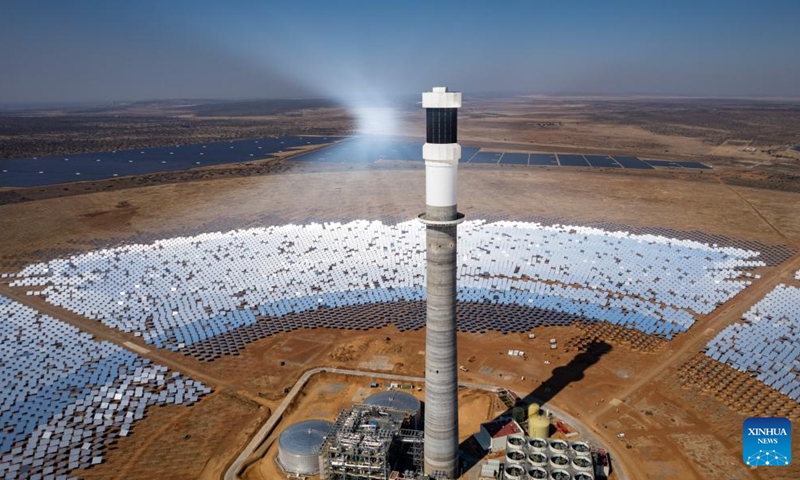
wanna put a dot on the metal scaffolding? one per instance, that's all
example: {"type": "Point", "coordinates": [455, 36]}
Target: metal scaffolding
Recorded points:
{"type": "Point", "coordinates": [370, 443]}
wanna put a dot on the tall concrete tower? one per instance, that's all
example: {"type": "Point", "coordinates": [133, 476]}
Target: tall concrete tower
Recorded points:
{"type": "Point", "coordinates": [441, 153]}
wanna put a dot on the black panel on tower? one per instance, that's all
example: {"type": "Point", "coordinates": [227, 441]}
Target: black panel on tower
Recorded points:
{"type": "Point", "coordinates": [442, 124]}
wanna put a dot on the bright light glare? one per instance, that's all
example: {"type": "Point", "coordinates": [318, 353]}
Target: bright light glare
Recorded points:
{"type": "Point", "coordinates": [375, 120]}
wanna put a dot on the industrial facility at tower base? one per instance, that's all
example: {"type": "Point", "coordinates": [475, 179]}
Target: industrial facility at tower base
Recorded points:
{"type": "Point", "coordinates": [379, 439]}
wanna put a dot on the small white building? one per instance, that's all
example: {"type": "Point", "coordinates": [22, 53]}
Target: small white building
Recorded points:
{"type": "Point", "coordinates": [492, 435]}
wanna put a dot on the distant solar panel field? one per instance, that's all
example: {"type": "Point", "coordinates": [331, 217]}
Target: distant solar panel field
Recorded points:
{"type": "Point", "coordinates": [663, 163]}
{"type": "Point", "coordinates": [632, 162]}
{"type": "Point", "coordinates": [602, 161]}
{"type": "Point", "coordinates": [571, 160]}
{"type": "Point", "coordinates": [486, 157]}
{"type": "Point", "coordinates": [27, 172]}
{"type": "Point", "coordinates": [363, 149]}
{"type": "Point", "coordinates": [543, 159]}
{"type": "Point", "coordinates": [514, 159]}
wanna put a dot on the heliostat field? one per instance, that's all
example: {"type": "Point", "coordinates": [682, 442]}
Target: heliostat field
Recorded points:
{"type": "Point", "coordinates": [181, 291]}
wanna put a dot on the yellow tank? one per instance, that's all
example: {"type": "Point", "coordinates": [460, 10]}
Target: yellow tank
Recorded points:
{"type": "Point", "coordinates": [518, 413]}
{"type": "Point", "coordinates": [539, 426]}
{"type": "Point", "coordinates": [533, 410]}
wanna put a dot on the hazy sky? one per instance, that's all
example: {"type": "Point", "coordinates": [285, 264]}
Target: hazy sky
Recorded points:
{"type": "Point", "coordinates": [133, 50]}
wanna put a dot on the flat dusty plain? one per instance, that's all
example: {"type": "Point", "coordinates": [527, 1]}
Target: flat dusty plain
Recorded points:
{"type": "Point", "coordinates": [680, 421]}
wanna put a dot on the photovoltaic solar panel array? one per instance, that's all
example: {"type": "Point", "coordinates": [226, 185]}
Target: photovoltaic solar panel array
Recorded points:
{"type": "Point", "coordinates": [370, 149]}
{"type": "Point", "coordinates": [766, 344]}
{"type": "Point", "coordinates": [26, 172]}
{"type": "Point", "coordinates": [566, 160]}
{"type": "Point", "coordinates": [183, 291]}
{"type": "Point", "coordinates": [515, 158]}
{"type": "Point", "coordinates": [602, 161]}
{"type": "Point", "coordinates": [543, 159]}
{"type": "Point", "coordinates": [632, 162]}
{"type": "Point", "coordinates": [486, 157]}
{"type": "Point", "coordinates": [65, 395]}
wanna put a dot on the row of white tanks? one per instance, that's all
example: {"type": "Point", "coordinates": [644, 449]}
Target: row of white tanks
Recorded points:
{"type": "Point", "coordinates": [538, 458]}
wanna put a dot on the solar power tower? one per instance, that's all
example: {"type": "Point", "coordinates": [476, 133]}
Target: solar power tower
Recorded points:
{"type": "Point", "coordinates": [441, 153]}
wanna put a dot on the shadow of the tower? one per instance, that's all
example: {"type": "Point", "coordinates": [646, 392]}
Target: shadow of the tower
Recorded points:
{"type": "Point", "coordinates": [560, 378]}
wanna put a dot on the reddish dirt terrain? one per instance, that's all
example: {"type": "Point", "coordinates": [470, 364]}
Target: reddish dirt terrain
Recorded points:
{"type": "Point", "coordinates": [680, 411]}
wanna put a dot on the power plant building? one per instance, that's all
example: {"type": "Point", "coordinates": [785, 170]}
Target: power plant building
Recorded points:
{"type": "Point", "coordinates": [492, 435]}
{"type": "Point", "coordinates": [369, 442]}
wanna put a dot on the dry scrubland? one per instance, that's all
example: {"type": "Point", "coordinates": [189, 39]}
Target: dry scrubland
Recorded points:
{"type": "Point", "coordinates": [654, 411]}
{"type": "Point", "coordinates": [678, 424]}
{"type": "Point", "coordinates": [747, 141]}
{"type": "Point", "coordinates": [140, 125]}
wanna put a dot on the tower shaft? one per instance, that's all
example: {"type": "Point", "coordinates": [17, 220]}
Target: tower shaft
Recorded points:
{"type": "Point", "coordinates": [441, 153]}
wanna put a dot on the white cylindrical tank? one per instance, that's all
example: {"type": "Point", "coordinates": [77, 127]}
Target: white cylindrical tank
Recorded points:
{"type": "Point", "coordinates": [299, 445]}
{"type": "Point", "coordinates": [399, 400]}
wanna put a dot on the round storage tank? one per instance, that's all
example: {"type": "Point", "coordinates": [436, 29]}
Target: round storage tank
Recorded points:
{"type": "Point", "coordinates": [583, 476]}
{"type": "Point", "coordinates": [533, 410]}
{"type": "Point", "coordinates": [399, 400]}
{"type": "Point", "coordinates": [539, 426]}
{"type": "Point", "coordinates": [518, 414]}
{"type": "Point", "coordinates": [299, 445]}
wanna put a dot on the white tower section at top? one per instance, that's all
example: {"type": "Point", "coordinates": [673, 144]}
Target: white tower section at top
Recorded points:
{"type": "Point", "coordinates": [441, 152]}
